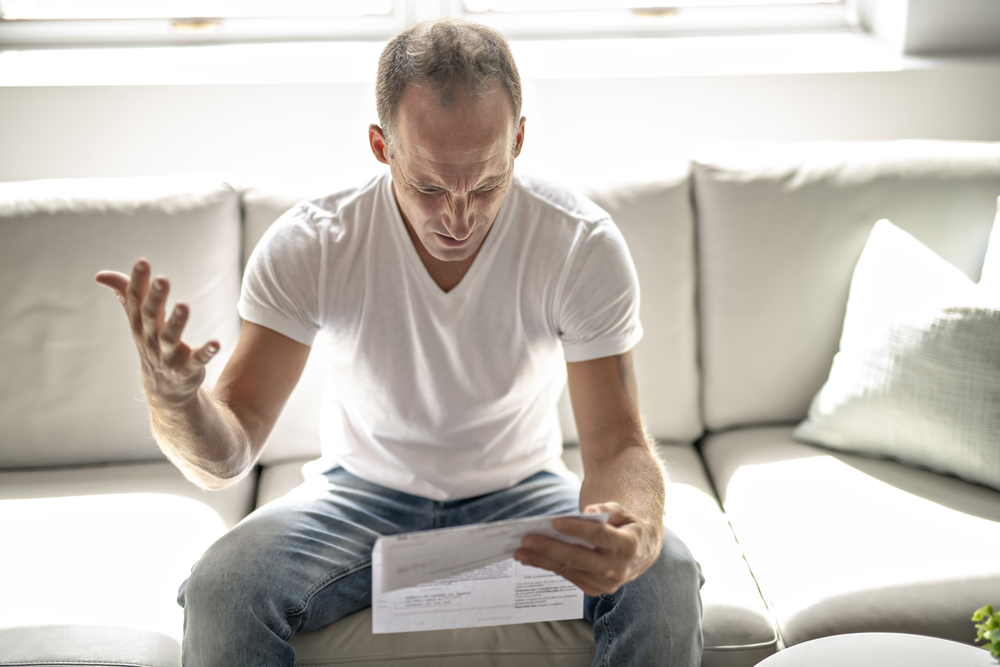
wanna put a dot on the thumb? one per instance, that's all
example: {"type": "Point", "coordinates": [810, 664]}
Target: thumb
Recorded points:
{"type": "Point", "coordinates": [617, 516]}
{"type": "Point", "coordinates": [116, 282]}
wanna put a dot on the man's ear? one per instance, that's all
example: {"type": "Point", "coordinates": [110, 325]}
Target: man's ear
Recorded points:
{"type": "Point", "coordinates": [519, 138]}
{"type": "Point", "coordinates": [376, 138]}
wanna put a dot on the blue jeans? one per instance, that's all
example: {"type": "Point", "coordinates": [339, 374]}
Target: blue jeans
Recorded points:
{"type": "Point", "coordinates": [304, 561]}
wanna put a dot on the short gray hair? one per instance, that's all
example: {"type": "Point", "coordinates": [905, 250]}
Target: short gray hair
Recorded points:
{"type": "Point", "coordinates": [452, 56]}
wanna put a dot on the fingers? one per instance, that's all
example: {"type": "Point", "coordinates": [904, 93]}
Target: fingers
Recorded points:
{"type": "Point", "coordinates": [152, 310]}
{"type": "Point", "coordinates": [170, 334]}
{"type": "Point", "coordinates": [130, 290]}
{"type": "Point", "coordinates": [144, 301]}
{"type": "Point", "coordinates": [585, 580]}
{"type": "Point", "coordinates": [548, 549]}
{"type": "Point", "coordinates": [612, 562]}
{"type": "Point", "coordinates": [617, 516]}
{"type": "Point", "coordinates": [138, 286]}
{"type": "Point", "coordinates": [171, 370]}
{"type": "Point", "coordinates": [173, 350]}
{"type": "Point", "coordinates": [145, 304]}
{"type": "Point", "coordinates": [578, 556]}
{"type": "Point", "coordinates": [593, 532]}
{"type": "Point", "coordinates": [205, 353]}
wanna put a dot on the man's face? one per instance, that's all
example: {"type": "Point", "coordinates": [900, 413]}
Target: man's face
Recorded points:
{"type": "Point", "coordinates": [451, 167]}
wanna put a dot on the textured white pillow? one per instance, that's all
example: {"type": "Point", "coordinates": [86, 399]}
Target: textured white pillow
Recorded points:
{"type": "Point", "coordinates": [990, 279]}
{"type": "Point", "coordinates": [917, 377]}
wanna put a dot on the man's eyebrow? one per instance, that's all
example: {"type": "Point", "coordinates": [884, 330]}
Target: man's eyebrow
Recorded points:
{"type": "Point", "coordinates": [493, 182]}
{"type": "Point", "coordinates": [427, 185]}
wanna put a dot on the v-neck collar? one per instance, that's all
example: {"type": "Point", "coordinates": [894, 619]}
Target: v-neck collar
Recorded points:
{"type": "Point", "coordinates": [486, 250]}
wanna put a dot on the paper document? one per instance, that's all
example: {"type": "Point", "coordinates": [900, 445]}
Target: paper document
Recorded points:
{"type": "Point", "coordinates": [410, 559]}
{"type": "Point", "coordinates": [466, 577]}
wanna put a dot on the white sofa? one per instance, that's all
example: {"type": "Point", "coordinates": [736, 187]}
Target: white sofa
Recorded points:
{"type": "Point", "coordinates": [745, 254]}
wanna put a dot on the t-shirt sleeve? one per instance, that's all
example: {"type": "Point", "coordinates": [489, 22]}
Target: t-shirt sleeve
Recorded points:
{"type": "Point", "coordinates": [281, 282]}
{"type": "Point", "coordinates": [598, 313]}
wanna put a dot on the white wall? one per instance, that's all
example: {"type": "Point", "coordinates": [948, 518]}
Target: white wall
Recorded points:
{"type": "Point", "coordinates": [933, 26]}
{"type": "Point", "coordinates": [579, 128]}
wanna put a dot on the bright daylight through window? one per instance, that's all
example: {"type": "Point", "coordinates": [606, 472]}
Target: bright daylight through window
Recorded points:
{"type": "Point", "coordinates": [41, 22]}
{"type": "Point", "coordinates": [175, 9]}
{"type": "Point", "coordinates": [576, 5]}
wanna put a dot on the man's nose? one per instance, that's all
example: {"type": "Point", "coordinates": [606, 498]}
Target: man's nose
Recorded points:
{"type": "Point", "coordinates": [461, 219]}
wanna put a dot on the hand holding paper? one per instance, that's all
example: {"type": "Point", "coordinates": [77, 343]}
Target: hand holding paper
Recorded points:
{"type": "Point", "coordinates": [416, 558]}
{"type": "Point", "coordinates": [465, 577]}
{"type": "Point", "coordinates": [623, 547]}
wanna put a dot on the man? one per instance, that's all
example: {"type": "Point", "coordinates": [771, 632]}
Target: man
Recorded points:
{"type": "Point", "coordinates": [455, 300]}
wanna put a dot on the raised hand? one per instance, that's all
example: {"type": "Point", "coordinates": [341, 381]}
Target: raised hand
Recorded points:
{"type": "Point", "coordinates": [171, 370]}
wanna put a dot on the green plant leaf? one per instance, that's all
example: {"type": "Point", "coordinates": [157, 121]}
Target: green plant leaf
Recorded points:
{"type": "Point", "coordinates": [988, 629]}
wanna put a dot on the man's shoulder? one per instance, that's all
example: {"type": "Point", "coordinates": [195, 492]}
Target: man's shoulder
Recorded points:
{"type": "Point", "coordinates": [347, 203]}
{"type": "Point", "coordinates": [559, 200]}
{"type": "Point", "coordinates": [335, 220]}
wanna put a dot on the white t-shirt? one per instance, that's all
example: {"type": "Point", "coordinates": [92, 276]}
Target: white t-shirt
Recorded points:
{"type": "Point", "coordinates": [445, 395]}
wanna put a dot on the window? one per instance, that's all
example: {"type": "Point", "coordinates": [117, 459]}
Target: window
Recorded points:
{"type": "Point", "coordinates": [555, 18]}
{"type": "Point", "coordinates": [107, 22]}
{"type": "Point", "coordinates": [178, 9]}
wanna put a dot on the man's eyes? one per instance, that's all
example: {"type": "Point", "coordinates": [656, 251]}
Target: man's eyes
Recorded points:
{"type": "Point", "coordinates": [434, 193]}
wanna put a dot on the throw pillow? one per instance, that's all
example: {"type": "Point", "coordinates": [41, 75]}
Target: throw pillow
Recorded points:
{"type": "Point", "coordinates": [917, 378]}
{"type": "Point", "coordinates": [990, 279]}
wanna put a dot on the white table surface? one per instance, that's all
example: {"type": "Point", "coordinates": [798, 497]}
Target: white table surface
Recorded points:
{"type": "Point", "coordinates": [881, 649]}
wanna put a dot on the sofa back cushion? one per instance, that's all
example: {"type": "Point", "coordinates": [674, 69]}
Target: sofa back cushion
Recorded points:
{"type": "Point", "coordinates": [781, 227]}
{"type": "Point", "coordinates": [69, 379]}
{"type": "Point", "coordinates": [657, 221]}
{"type": "Point", "coordinates": [296, 434]}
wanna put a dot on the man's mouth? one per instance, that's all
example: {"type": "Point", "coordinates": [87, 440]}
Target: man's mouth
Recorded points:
{"type": "Point", "coordinates": [452, 242]}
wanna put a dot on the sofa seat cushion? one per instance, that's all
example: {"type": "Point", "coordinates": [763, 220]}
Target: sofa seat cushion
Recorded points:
{"type": "Point", "coordinates": [738, 628]}
{"type": "Point", "coordinates": [105, 545]}
{"type": "Point", "coordinates": [350, 643]}
{"type": "Point", "coordinates": [95, 646]}
{"type": "Point", "coordinates": [841, 543]}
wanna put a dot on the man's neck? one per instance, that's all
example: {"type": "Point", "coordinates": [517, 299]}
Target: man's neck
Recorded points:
{"type": "Point", "coordinates": [447, 275]}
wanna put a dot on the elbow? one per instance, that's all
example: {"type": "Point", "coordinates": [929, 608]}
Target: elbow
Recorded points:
{"type": "Point", "coordinates": [213, 475]}
{"type": "Point", "coordinates": [217, 484]}
{"type": "Point", "coordinates": [210, 481]}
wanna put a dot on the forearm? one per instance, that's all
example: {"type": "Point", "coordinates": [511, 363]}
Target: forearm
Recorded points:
{"type": "Point", "coordinates": [622, 476]}
{"type": "Point", "coordinates": [203, 438]}
{"type": "Point", "coordinates": [633, 477]}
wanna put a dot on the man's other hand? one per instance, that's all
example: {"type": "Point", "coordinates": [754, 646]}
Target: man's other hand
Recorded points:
{"type": "Point", "coordinates": [623, 549]}
{"type": "Point", "coordinates": [172, 371]}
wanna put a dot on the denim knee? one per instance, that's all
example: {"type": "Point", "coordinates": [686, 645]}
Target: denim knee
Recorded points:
{"type": "Point", "coordinates": [656, 619]}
